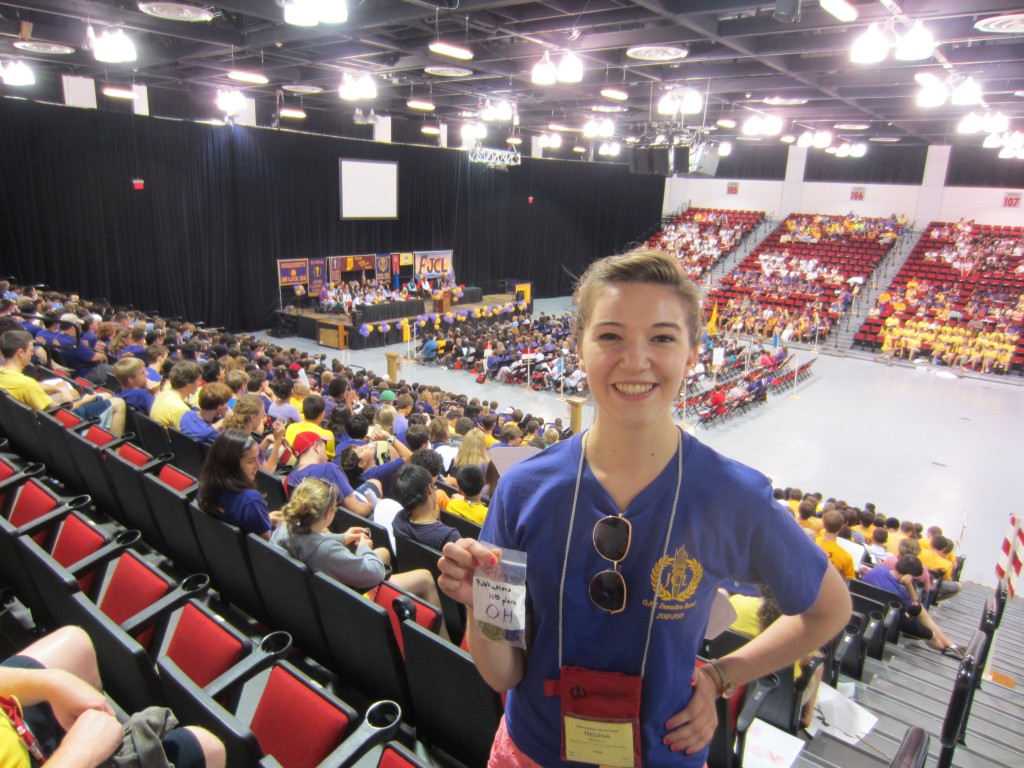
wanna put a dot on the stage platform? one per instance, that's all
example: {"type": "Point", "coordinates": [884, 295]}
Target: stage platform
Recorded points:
{"type": "Point", "coordinates": [337, 331]}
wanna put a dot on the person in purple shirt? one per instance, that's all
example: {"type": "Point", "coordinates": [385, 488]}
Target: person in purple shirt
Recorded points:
{"type": "Point", "coordinates": [204, 425]}
{"type": "Point", "coordinates": [915, 621]}
{"type": "Point", "coordinates": [227, 484]}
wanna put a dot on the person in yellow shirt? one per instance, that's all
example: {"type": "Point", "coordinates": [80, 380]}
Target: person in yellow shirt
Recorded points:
{"type": "Point", "coordinates": [807, 520]}
{"type": "Point", "coordinates": [313, 407]}
{"type": "Point", "coordinates": [795, 497]}
{"type": "Point", "coordinates": [185, 379]}
{"type": "Point", "coordinates": [935, 557]}
{"type": "Point", "coordinates": [467, 504]}
{"type": "Point", "coordinates": [833, 523]}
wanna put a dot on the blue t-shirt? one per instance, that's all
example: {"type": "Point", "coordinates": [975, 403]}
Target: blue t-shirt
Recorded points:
{"type": "Point", "coordinates": [435, 534]}
{"type": "Point", "coordinates": [385, 473]}
{"type": "Point", "coordinates": [727, 527]}
{"type": "Point", "coordinates": [246, 508]}
{"type": "Point", "coordinates": [139, 399]}
{"type": "Point", "coordinates": [78, 356]}
{"type": "Point", "coordinates": [195, 426]}
{"type": "Point", "coordinates": [328, 472]}
{"type": "Point", "coordinates": [881, 576]}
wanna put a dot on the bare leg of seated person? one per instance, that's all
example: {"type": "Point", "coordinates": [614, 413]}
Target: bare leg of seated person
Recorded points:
{"type": "Point", "coordinates": [419, 583]}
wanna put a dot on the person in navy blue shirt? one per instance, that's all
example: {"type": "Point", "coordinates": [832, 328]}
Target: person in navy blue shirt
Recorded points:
{"type": "Point", "coordinates": [131, 375]}
{"type": "Point", "coordinates": [227, 484]}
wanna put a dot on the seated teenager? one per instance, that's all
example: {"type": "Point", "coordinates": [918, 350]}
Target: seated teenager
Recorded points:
{"type": "Point", "coordinates": [834, 521]}
{"type": "Point", "coordinates": [915, 622]}
{"type": "Point", "coordinates": [249, 415]}
{"type": "Point", "coordinates": [359, 463]}
{"type": "Point", "coordinates": [282, 408]}
{"type": "Point", "coordinates": [466, 503]}
{"type": "Point", "coordinates": [130, 373]}
{"type": "Point", "coordinates": [311, 451]}
{"type": "Point", "coordinates": [935, 557]}
{"type": "Point", "coordinates": [86, 363]}
{"type": "Point", "coordinates": [227, 484]}
{"type": "Point", "coordinates": [206, 424]}
{"type": "Point", "coordinates": [184, 381]}
{"type": "Point", "coordinates": [53, 688]}
{"type": "Point", "coordinates": [313, 407]}
{"type": "Point", "coordinates": [418, 520]}
{"type": "Point", "coordinates": [156, 355]}
{"type": "Point", "coordinates": [753, 616]}
{"type": "Point", "coordinates": [16, 347]}
{"type": "Point", "coordinates": [349, 557]}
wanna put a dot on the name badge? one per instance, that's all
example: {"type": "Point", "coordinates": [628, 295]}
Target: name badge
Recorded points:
{"type": "Point", "coordinates": [599, 743]}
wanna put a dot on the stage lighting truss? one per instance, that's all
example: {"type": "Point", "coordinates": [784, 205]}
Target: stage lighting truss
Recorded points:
{"type": "Point", "coordinates": [493, 158]}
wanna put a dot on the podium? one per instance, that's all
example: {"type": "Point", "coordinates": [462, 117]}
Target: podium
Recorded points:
{"type": "Point", "coordinates": [444, 304]}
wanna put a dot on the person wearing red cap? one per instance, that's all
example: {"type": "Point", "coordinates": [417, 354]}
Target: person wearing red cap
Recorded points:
{"type": "Point", "coordinates": [313, 407]}
{"type": "Point", "coordinates": [311, 451]}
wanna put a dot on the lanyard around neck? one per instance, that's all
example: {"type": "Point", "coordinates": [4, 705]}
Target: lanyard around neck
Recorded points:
{"type": "Point", "coordinates": [664, 551]}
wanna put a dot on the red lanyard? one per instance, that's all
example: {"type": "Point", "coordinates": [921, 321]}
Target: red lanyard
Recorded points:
{"type": "Point", "coordinates": [10, 707]}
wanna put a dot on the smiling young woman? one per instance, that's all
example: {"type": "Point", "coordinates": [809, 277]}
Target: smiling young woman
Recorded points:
{"type": "Point", "coordinates": [628, 529]}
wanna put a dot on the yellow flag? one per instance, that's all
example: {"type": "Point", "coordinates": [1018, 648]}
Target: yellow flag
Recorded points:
{"type": "Point", "coordinates": [713, 322]}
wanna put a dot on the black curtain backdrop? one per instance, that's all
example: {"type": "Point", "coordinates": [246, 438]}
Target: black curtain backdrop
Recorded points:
{"type": "Point", "coordinates": [881, 165]}
{"type": "Point", "coordinates": [221, 204]}
{"type": "Point", "coordinates": [980, 167]}
{"type": "Point", "coordinates": [754, 162]}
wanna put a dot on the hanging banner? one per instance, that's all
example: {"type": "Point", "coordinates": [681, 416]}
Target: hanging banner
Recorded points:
{"type": "Point", "coordinates": [433, 264]}
{"type": "Point", "coordinates": [405, 259]}
{"type": "Point", "coordinates": [396, 263]}
{"type": "Point", "coordinates": [317, 275]}
{"type": "Point", "coordinates": [293, 271]}
{"type": "Point", "coordinates": [357, 263]}
{"type": "Point", "coordinates": [383, 267]}
{"type": "Point", "coordinates": [334, 267]}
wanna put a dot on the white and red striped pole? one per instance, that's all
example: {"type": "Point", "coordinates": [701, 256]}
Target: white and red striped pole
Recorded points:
{"type": "Point", "coordinates": [1012, 555]}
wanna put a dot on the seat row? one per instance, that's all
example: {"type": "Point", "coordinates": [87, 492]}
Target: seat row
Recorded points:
{"type": "Point", "coordinates": [374, 651]}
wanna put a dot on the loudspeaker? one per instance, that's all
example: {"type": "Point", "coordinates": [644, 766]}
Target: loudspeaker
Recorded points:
{"type": "Point", "coordinates": [357, 317]}
{"type": "Point", "coordinates": [787, 11]}
{"type": "Point", "coordinates": [520, 295]}
{"type": "Point", "coordinates": [661, 162]}
{"type": "Point", "coordinates": [640, 160]}
{"type": "Point", "coordinates": [680, 160]}
{"type": "Point", "coordinates": [704, 162]}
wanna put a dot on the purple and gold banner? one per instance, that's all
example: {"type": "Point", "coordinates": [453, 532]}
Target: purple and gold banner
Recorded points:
{"type": "Point", "coordinates": [383, 267]}
{"type": "Point", "coordinates": [293, 271]}
{"type": "Point", "coordinates": [317, 275]}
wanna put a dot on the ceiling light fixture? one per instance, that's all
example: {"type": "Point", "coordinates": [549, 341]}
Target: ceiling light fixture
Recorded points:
{"type": "Point", "coordinates": [544, 71]}
{"type": "Point", "coordinates": [657, 52]}
{"type": "Point", "coordinates": [244, 76]}
{"type": "Point", "coordinates": [851, 126]}
{"type": "Point", "coordinates": [726, 122]}
{"type": "Point", "coordinates": [806, 140]}
{"type": "Point", "coordinates": [784, 101]}
{"type": "Point", "coordinates": [515, 140]}
{"type": "Point", "coordinates": [789, 138]}
{"type": "Point", "coordinates": [357, 88]}
{"type": "Point", "coordinates": [916, 44]}
{"type": "Point", "coordinates": [725, 149]}
{"type": "Point", "coordinates": [579, 148]}
{"type": "Point", "coordinates": [966, 93]}
{"type": "Point", "coordinates": [440, 71]}
{"type": "Point", "coordinates": [591, 128]}
{"type": "Point", "coordinates": [429, 129]}
{"type": "Point", "coordinates": [871, 47]}
{"type": "Point", "coordinates": [607, 129]}
{"type": "Point", "coordinates": [300, 88]}
{"type": "Point", "coordinates": [822, 139]}
{"type": "Point", "coordinates": [441, 48]}
{"type": "Point", "coordinates": [38, 46]}
{"type": "Point", "coordinates": [17, 73]}
{"type": "Point", "coordinates": [309, 13]}
{"type": "Point", "coordinates": [841, 9]}
{"type": "Point", "coordinates": [421, 104]}
{"type": "Point", "coordinates": [858, 150]}
{"type": "Point", "coordinates": [615, 94]}
{"type": "Point", "coordinates": [118, 93]}
{"type": "Point", "coordinates": [293, 112]}
{"type": "Point", "coordinates": [111, 47]}
{"type": "Point", "coordinates": [176, 11]}
{"type": "Point", "coordinates": [570, 68]}
{"type": "Point", "coordinates": [230, 102]}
